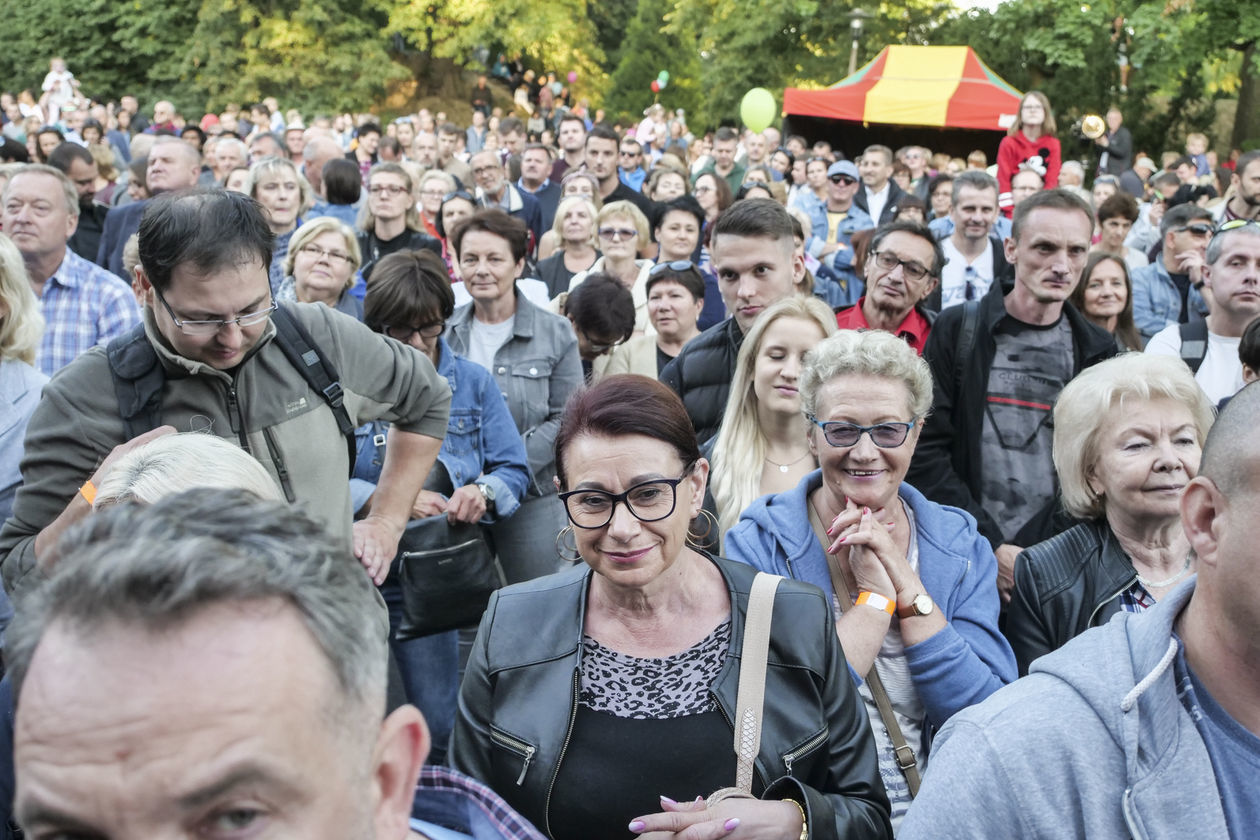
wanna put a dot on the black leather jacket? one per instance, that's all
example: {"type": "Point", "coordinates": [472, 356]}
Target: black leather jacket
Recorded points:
{"type": "Point", "coordinates": [1063, 587]}
{"type": "Point", "coordinates": [519, 699]}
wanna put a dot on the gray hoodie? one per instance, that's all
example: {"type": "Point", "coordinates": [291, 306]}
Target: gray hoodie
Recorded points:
{"type": "Point", "coordinates": [1094, 742]}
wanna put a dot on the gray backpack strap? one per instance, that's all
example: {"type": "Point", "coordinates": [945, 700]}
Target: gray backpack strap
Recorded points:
{"type": "Point", "coordinates": [1194, 342]}
{"type": "Point", "coordinates": [138, 380]}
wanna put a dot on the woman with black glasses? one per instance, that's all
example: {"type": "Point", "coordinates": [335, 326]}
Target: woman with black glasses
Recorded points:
{"type": "Point", "coordinates": [600, 700]}
{"type": "Point", "coordinates": [481, 474]}
{"type": "Point", "coordinates": [912, 582]}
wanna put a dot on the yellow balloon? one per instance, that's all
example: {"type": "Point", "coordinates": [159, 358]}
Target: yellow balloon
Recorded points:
{"type": "Point", "coordinates": [757, 109]}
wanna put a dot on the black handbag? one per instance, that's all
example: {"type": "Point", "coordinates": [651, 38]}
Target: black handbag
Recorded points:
{"type": "Point", "coordinates": [447, 574]}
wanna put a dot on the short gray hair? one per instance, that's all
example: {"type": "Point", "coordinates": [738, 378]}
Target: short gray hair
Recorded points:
{"type": "Point", "coordinates": [68, 191]}
{"type": "Point", "coordinates": [1085, 403]}
{"type": "Point", "coordinates": [159, 566]}
{"type": "Point", "coordinates": [866, 353]}
{"type": "Point", "coordinates": [1216, 246]}
{"type": "Point", "coordinates": [977, 179]}
{"type": "Point", "coordinates": [174, 463]}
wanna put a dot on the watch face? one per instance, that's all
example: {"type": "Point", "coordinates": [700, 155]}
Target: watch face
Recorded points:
{"type": "Point", "coordinates": [923, 604]}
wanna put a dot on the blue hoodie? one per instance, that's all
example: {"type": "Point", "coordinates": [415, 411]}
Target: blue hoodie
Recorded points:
{"type": "Point", "coordinates": [959, 666]}
{"type": "Point", "coordinates": [1094, 743]}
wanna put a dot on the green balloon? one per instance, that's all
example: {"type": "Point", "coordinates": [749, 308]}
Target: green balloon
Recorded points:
{"type": "Point", "coordinates": [663, 78]}
{"type": "Point", "coordinates": [757, 109]}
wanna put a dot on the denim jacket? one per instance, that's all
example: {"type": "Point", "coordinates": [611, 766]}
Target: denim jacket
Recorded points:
{"type": "Point", "coordinates": [537, 369]}
{"type": "Point", "coordinates": [1156, 301]}
{"type": "Point", "coordinates": [481, 441]}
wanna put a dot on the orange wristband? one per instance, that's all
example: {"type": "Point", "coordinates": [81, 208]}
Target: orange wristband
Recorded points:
{"type": "Point", "coordinates": [879, 602]}
{"type": "Point", "coordinates": [88, 492]}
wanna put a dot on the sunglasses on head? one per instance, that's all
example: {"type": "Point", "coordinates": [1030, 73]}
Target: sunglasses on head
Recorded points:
{"type": "Point", "coordinates": [675, 267]}
{"type": "Point", "coordinates": [1201, 229]}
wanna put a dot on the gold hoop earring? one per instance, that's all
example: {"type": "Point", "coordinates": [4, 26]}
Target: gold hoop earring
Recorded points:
{"type": "Point", "coordinates": [567, 553]}
{"type": "Point", "coordinates": [702, 540]}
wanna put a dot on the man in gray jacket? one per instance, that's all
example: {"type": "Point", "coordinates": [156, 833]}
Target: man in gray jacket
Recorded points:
{"type": "Point", "coordinates": [207, 316]}
{"type": "Point", "coordinates": [1147, 727]}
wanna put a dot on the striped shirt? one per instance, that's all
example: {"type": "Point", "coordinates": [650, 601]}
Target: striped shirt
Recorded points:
{"type": "Point", "coordinates": [84, 305]}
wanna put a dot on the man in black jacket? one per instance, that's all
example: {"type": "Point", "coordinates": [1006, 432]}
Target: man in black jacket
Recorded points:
{"type": "Point", "coordinates": [879, 194]}
{"type": "Point", "coordinates": [998, 366]}
{"type": "Point", "coordinates": [755, 259]}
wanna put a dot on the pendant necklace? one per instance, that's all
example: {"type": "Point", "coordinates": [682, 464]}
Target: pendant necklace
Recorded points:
{"type": "Point", "coordinates": [784, 467]}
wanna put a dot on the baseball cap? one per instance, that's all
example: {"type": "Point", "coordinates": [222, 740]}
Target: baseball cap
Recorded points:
{"type": "Point", "coordinates": [843, 167]}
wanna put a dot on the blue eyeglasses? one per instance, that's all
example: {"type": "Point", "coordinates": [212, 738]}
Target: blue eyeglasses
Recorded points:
{"type": "Point", "coordinates": [884, 435]}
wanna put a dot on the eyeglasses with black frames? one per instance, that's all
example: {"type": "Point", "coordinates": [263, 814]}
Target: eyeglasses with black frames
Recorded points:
{"type": "Point", "coordinates": [647, 501]}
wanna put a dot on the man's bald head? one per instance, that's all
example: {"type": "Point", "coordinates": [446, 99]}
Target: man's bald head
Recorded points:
{"type": "Point", "coordinates": [319, 149]}
{"type": "Point", "coordinates": [1231, 453]}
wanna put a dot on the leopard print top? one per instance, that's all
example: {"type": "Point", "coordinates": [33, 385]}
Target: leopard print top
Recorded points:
{"type": "Point", "coordinates": [676, 686]}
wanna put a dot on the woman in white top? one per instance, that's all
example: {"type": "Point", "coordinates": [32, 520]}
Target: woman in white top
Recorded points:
{"type": "Point", "coordinates": [623, 231]}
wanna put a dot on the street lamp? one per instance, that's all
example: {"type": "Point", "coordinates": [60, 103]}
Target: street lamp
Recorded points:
{"type": "Point", "coordinates": [856, 18]}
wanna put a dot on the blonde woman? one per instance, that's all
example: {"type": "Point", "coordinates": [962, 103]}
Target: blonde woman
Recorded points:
{"type": "Point", "coordinates": [623, 232]}
{"type": "Point", "coordinates": [574, 246]}
{"type": "Point", "coordinates": [320, 266]}
{"type": "Point", "coordinates": [276, 184]}
{"type": "Point", "coordinates": [21, 327]}
{"type": "Point", "coordinates": [762, 446]}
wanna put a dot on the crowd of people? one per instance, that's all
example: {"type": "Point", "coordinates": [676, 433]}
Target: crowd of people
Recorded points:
{"type": "Point", "coordinates": [950, 416]}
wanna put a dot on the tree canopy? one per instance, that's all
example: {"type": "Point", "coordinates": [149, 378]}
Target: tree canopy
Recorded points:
{"type": "Point", "coordinates": [326, 55]}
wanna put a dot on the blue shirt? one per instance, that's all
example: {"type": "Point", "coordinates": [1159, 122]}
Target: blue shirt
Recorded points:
{"type": "Point", "coordinates": [634, 178]}
{"type": "Point", "coordinates": [1234, 751]}
{"type": "Point", "coordinates": [84, 305]}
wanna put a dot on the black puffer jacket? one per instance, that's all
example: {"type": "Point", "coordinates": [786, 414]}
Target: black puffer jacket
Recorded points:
{"type": "Point", "coordinates": [701, 374]}
{"type": "Point", "coordinates": [519, 698]}
{"type": "Point", "coordinates": [1063, 587]}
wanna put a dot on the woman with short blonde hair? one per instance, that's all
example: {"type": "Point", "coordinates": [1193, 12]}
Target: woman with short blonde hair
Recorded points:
{"type": "Point", "coordinates": [623, 232]}
{"type": "Point", "coordinates": [320, 266]}
{"type": "Point", "coordinates": [1128, 433]}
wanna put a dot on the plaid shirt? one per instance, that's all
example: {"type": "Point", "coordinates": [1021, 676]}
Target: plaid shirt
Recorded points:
{"type": "Point", "coordinates": [84, 305]}
{"type": "Point", "coordinates": [446, 798]}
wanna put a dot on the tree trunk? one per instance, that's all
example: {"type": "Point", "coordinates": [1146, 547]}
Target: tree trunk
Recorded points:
{"type": "Point", "coordinates": [1247, 119]}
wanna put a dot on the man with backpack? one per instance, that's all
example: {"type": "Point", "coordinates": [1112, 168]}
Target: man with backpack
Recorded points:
{"type": "Point", "coordinates": [216, 355]}
{"type": "Point", "coordinates": [998, 364]}
{"type": "Point", "coordinates": [1210, 346]}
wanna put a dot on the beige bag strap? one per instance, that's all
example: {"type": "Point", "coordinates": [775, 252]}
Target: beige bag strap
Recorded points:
{"type": "Point", "coordinates": [906, 758]}
{"type": "Point", "coordinates": [752, 677]}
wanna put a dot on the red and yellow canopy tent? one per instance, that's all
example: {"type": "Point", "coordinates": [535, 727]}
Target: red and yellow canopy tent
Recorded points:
{"type": "Point", "coordinates": [944, 95]}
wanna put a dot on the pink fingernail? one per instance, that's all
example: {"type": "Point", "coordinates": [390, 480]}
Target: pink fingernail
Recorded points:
{"type": "Point", "coordinates": [731, 824]}
{"type": "Point", "coordinates": [667, 800]}
{"type": "Point", "coordinates": [637, 825]}
{"type": "Point", "coordinates": [842, 539]}
{"type": "Point", "coordinates": [699, 800]}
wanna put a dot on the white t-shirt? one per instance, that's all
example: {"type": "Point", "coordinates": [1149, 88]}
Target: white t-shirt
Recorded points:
{"type": "Point", "coordinates": [1220, 374]}
{"type": "Point", "coordinates": [958, 274]}
{"type": "Point", "coordinates": [484, 340]}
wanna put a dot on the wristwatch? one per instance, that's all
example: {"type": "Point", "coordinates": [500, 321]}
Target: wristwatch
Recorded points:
{"type": "Point", "coordinates": [920, 604]}
{"type": "Point", "coordinates": [487, 493]}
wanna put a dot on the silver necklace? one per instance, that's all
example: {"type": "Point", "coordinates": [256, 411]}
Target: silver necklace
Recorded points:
{"type": "Point", "coordinates": [1157, 584]}
{"type": "Point", "coordinates": [784, 467]}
